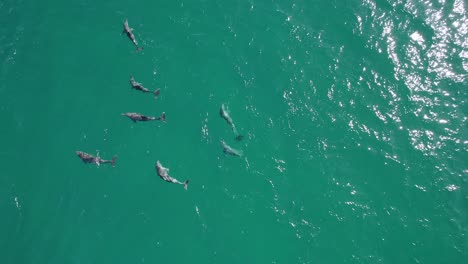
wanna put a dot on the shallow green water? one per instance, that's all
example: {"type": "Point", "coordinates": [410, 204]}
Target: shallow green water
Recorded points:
{"type": "Point", "coordinates": [353, 114]}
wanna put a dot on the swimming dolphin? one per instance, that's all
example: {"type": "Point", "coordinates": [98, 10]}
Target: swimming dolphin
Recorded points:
{"type": "Point", "coordinates": [88, 158]}
{"type": "Point", "coordinates": [223, 112]}
{"type": "Point", "coordinates": [139, 117]}
{"type": "Point", "coordinates": [228, 150]}
{"type": "Point", "coordinates": [164, 174]}
{"type": "Point", "coordinates": [128, 31]}
{"type": "Point", "coordinates": [138, 86]}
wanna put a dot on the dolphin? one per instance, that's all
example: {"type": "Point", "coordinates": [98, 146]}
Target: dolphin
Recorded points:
{"type": "Point", "coordinates": [230, 151]}
{"type": "Point", "coordinates": [88, 158]}
{"type": "Point", "coordinates": [139, 117]}
{"type": "Point", "coordinates": [223, 112]}
{"type": "Point", "coordinates": [164, 174]}
{"type": "Point", "coordinates": [138, 86]}
{"type": "Point", "coordinates": [129, 32]}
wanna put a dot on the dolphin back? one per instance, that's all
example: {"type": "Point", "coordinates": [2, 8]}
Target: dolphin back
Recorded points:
{"type": "Point", "coordinates": [231, 151]}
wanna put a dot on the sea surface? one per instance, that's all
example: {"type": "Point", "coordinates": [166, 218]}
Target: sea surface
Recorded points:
{"type": "Point", "coordinates": [353, 116]}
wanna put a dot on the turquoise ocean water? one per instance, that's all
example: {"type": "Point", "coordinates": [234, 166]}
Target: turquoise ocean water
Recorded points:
{"type": "Point", "coordinates": [353, 114]}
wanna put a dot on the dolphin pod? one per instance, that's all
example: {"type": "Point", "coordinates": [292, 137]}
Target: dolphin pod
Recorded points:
{"type": "Point", "coordinates": [161, 171]}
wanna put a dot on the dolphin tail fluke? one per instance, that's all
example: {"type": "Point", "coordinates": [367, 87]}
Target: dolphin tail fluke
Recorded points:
{"type": "Point", "coordinates": [163, 117]}
{"type": "Point", "coordinates": [156, 93]}
{"type": "Point", "coordinates": [138, 49]}
{"type": "Point", "coordinates": [186, 184]}
{"type": "Point", "coordinates": [113, 161]}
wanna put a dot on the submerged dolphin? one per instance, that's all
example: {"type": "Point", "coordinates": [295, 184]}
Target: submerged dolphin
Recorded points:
{"type": "Point", "coordinates": [228, 150]}
{"type": "Point", "coordinates": [223, 112]}
{"type": "Point", "coordinates": [129, 32]}
{"type": "Point", "coordinates": [164, 174]}
{"type": "Point", "coordinates": [138, 86]}
{"type": "Point", "coordinates": [88, 158]}
{"type": "Point", "coordinates": [139, 117]}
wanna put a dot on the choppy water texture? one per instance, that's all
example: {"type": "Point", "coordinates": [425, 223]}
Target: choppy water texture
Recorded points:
{"type": "Point", "coordinates": [353, 115]}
